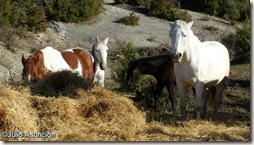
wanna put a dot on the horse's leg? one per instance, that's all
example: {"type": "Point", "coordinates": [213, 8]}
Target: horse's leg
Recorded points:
{"type": "Point", "coordinates": [99, 78]}
{"type": "Point", "coordinates": [101, 82]}
{"type": "Point", "coordinates": [158, 92]}
{"type": "Point", "coordinates": [194, 94]}
{"type": "Point", "coordinates": [199, 88]}
{"type": "Point", "coordinates": [218, 95]}
{"type": "Point", "coordinates": [172, 97]}
{"type": "Point", "coordinates": [205, 97]}
{"type": "Point", "coordinates": [182, 91]}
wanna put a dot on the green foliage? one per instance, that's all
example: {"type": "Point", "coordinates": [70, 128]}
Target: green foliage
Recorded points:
{"type": "Point", "coordinates": [168, 9]}
{"type": "Point", "coordinates": [209, 6]}
{"type": "Point", "coordinates": [239, 42]}
{"type": "Point", "coordinates": [132, 19]}
{"type": "Point", "coordinates": [129, 53]}
{"type": "Point", "coordinates": [229, 9]}
{"type": "Point", "coordinates": [74, 10]}
{"type": "Point", "coordinates": [34, 14]}
{"type": "Point", "coordinates": [238, 10]}
{"type": "Point", "coordinates": [26, 14]}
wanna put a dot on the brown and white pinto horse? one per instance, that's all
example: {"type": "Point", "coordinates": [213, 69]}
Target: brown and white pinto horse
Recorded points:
{"type": "Point", "coordinates": [50, 60]}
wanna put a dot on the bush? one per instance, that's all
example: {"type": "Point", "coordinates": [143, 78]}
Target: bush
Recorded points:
{"type": "Point", "coordinates": [168, 9]}
{"type": "Point", "coordinates": [239, 42]}
{"type": "Point", "coordinates": [238, 10]}
{"type": "Point", "coordinates": [132, 19]}
{"type": "Point", "coordinates": [129, 53]}
{"type": "Point", "coordinates": [209, 6]}
{"type": "Point", "coordinates": [34, 14]}
{"type": "Point", "coordinates": [229, 9]}
{"type": "Point", "coordinates": [73, 10]}
{"type": "Point", "coordinates": [27, 14]}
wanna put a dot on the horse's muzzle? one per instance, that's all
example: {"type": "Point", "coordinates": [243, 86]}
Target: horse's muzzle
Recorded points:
{"type": "Point", "coordinates": [176, 56]}
{"type": "Point", "coordinates": [103, 66]}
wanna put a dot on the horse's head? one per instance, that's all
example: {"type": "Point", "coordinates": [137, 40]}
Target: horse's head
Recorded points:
{"type": "Point", "coordinates": [179, 38]}
{"type": "Point", "coordinates": [133, 74]}
{"type": "Point", "coordinates": [33, 67]}
{"type": "Point", "coordinates": [99, 52]}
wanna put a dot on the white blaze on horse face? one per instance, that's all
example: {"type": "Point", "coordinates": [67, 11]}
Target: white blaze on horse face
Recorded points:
{"type": "Point", "coordinates": [100, 52]}
{"type": "Point", "coordinates": [29, 78]}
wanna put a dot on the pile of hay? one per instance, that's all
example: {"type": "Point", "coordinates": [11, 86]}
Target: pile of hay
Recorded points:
{"type": "Point", "coordinates": [97, 114]}
{"type": "Point", "coordinates": [60, 83]}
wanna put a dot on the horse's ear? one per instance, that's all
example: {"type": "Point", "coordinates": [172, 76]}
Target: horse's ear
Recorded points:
{"type": "Point", "coordinates": [105, 41]}
{"type": "Point", "coordinates": [97, 39]}
{"type": "Point", "coordinates": [39, 57]}
{"type": "Point", "coordinates": [171, 24]}
{"type": "Point", "coordinates": [23, 59]}
{"type": "Point", "coordinates": [190, 24]}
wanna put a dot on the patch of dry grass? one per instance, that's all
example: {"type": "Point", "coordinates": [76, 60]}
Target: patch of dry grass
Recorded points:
{"type": "Point", "coordinates": [98, 114]}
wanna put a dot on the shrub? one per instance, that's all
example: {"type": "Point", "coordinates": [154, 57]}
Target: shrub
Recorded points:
{"type": "Point", "coordinates": [168, 9]}
{"type": "Point", "coordinates": [34, 14]}
{"type": "Point", "coordinates": [239, 42]}
{"type": "Point", "coordinates": [132, 19]}
{"type": "Point", "coordinates": [129, 53]}
{"type": "Point", "coordinates": [230, 9]}
{"type": "Point", "coordinates": [209, 6]}
{"type": "Point", "coordinates": [73, 10]}
{"type": "Point", "coordinates": [27, 14]}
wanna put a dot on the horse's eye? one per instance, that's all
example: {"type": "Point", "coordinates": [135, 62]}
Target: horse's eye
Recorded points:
{"type": "Point", "coordinates": [184, 35]}
{"type": "Point", "coordinates": [170, 35]}
{"type": "Point", "coordinates": [97, 50]}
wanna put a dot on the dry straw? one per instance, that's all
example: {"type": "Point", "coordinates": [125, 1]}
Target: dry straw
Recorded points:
{"type": "Point", "coordinates": [97, 114]}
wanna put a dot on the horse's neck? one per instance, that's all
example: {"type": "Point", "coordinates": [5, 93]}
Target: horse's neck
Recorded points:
{"type": "Point", "coordinates": [192, 50]}
{"type": "Point", "coordinates": [148, 69]}
{"type": "Point", "coordinates": [96, 66]}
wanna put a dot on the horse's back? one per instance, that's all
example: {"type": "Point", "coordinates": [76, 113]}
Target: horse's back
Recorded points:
{"type": "Point", "coordinates": [53, 59]}
{"type": "Point", "coordinates": [217, 57]}
{"type": "Point", "coordinates": [87, 62]}
{"type": "Point", "coordinates": [217, 51]}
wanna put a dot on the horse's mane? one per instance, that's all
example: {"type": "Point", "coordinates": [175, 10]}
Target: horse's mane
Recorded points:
{"type": "Point", "coordinates": [179, 23]}
{"type": "Point", "coordinates": [156, 61]}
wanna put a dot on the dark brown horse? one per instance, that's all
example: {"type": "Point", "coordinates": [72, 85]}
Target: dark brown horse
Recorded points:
{"type": "Point", "coordinates": [162, 68]}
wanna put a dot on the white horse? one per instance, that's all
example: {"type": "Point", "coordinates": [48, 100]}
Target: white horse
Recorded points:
{"type": "Point", "coordinates": [198, 64]}
{"type": "Point", "coordinates": [99, 52]}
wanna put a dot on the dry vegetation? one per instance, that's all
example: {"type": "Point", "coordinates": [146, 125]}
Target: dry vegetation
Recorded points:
{"type": "Point", "coordinates": [98, 114]}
